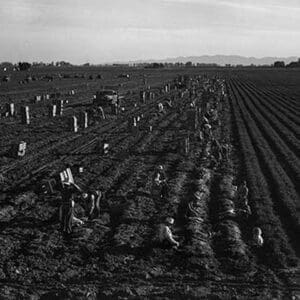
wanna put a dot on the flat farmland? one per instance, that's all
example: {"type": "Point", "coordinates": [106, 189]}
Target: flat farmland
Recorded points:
{"type": "Point", "coordinates": [116, 256]}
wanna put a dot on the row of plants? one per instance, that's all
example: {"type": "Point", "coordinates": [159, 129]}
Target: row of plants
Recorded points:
{"type": "Point", "coordinates": [286, 157]}
{"type": "Point", "coordinates": [277, 251]}
{"type": "Point", "coordinates": [282, 183]}
{"type": "Point", "coordinates": [228, 240]}
{"type": "Point", "coordinates": [288, 123]}
{"type": "Point", "coordinates": [283, 110]}
{"type": "Point", "coordinates": [282, 93]}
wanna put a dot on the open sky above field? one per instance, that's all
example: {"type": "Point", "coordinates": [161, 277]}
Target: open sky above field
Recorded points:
{"type": "Point", "coordinates": [100, 31]}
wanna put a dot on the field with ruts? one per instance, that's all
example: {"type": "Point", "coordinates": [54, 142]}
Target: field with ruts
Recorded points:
{"type": "Point", "coordinates": [116, 256]}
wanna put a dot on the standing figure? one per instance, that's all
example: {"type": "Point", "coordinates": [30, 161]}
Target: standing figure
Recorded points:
{"type": "Point", "coordinates": [66, 211]}
{"type": "Point", "coordinates": [160, 185]}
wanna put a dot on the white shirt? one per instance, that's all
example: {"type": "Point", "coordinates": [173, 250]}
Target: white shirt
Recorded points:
{"type": "Point", "coordinates": [165, 233]}
{"type": "Point", "coordinates": [258, 240]}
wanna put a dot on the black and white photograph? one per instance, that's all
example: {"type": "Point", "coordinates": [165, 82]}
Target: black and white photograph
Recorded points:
{"type": "Point", "coordinates": [149, 149]}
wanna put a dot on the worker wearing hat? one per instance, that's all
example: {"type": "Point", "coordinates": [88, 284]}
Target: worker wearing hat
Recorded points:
{"type": "Point", "coordinates": [165, 236]}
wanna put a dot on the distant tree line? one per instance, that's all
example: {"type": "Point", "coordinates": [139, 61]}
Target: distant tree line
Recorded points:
{"type": "Point", "coordinates": [154, 66]}
{"type": "Point", "coordinates": [281, 64]}
{"type": "Point", "coordinates": [188, 64]}
{"type": "Point", "coordinates": [25, 66]}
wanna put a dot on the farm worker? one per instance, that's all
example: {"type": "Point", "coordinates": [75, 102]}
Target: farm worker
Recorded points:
{"type": "Point", "coordinates": [160, 175]}
{"type": "Point", "coordinates": [160, 184]}
{"type": "Point", "coordinates": [92, 203]}
{"type": "Point", "coordinates": [165, 235]}
{"type": "Point", "coordinates": [66, 211]}
{"type": "Point", "coordinates": [207, 130]}
{"type": "Point", "coordinates": [161, 108]}
{"type": "Point", "coordinates": [243, 193]}
{"type": "Point", "coordinates": [257, 237]}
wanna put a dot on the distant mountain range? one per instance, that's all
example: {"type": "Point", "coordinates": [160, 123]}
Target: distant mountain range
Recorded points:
{"type": "Point", "coordinates": [221, 60]}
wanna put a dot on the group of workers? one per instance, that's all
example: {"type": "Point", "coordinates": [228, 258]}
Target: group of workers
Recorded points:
{"type": "Point", "coordinates": [160, 190]}
{"type": "Point", "coordinates": [91, 203]}
{"type": "Point", "coordinates": [165, 235]}
{"type": "Point", "coordinates": [167, 239]}
{"type": "Point", "coordinates": [242, 196]}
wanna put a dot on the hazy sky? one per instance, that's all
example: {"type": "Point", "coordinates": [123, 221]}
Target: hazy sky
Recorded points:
{"type": "Point", "coordinates": [118, 30]}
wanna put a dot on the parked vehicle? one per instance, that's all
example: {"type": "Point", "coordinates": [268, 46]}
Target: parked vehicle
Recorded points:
{"type": "Point", "coordinates": [106, 98]}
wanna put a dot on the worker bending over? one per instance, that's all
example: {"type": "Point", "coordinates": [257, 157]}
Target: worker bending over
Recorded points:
{"type": "Point", "coordinates": [92, 203]}
{"type": "Point", "coordinates": [165, 235]}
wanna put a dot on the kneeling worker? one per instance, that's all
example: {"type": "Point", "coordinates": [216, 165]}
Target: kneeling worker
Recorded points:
{"type": "Point", "coordinates": [258, 240]}
{"type": "Point", "coordinates": [166, 237]}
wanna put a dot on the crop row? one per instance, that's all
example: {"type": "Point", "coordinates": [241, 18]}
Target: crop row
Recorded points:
{"type": "Point", "coordinates": [290, 105]}
{"type": "Point", "coordinates": [278, 252]}
{"type": "Point", "coordinates": [287, 159]}
{"type": "Point", "coordinates": [289, 95]}
{"type": "Point", "coordinates": [280, 184]}
{"type": "Point", "coordinates": [278, 109]}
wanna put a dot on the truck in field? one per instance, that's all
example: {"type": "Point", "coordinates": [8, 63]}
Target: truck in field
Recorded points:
{"type": "Point", "coordinates": [106, 98]}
